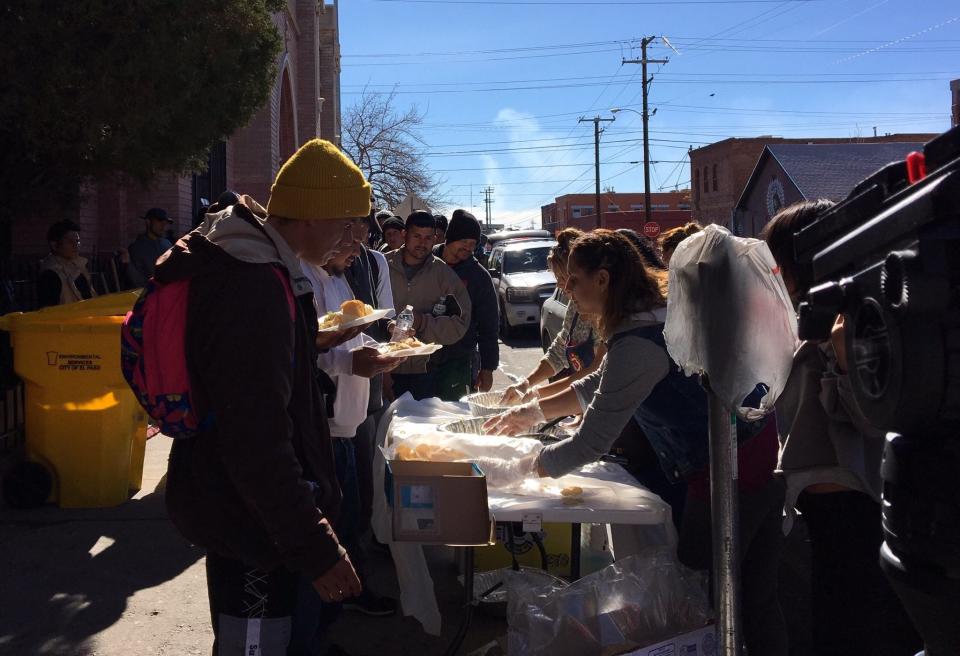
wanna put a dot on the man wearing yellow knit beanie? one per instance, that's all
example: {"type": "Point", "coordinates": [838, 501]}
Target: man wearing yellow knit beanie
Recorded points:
{"type": "Point", "coordinates": [257, 485]}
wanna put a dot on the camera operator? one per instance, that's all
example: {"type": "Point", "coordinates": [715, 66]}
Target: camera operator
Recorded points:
{"type": "Point", "coordinates": [830, 460]}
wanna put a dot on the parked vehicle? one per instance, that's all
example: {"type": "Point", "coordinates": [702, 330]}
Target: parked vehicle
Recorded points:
{"type": "Point", "coordinates": [551, 317]}
{"type": "Point", "coordinates": [491, 240]}
{"type": "Point", "coordinates": [523, 281]}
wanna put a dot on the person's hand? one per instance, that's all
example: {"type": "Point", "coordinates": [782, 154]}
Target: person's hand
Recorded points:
{"type": "Point", "coordinates": [124, 256]}
{"type": "Point", "coordinates": [839, 341]}
{"type": "Point", "coordinates": [329, 339]}
{"type": "Point", "coordinates": [514, 421]}
{"type": "Point", "coordinates": [485, 380]}
{"type": "Point", "coordinates": [368, 362]}
{"type": "Point", "coordinates": [392, 328]}
{"type": "Point", "coordinates": [514, 394]}
{"type": "Point", "coordinates": [339, 582]}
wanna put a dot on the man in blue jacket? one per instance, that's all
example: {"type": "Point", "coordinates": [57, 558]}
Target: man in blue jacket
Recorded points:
{"type": "Point", "coordinates": [455, 364]}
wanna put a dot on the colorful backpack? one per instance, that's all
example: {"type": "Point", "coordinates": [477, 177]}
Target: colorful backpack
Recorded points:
{"type": "Point", "coordinates": [153, 355]}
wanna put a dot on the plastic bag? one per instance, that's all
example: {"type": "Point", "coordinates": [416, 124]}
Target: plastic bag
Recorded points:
{"type": "Point", "coordinates": [729, 314]}
{"type": "Point", "coordinates": [506, 461]}
{"type": "Point", "coordinates": [632, 603]}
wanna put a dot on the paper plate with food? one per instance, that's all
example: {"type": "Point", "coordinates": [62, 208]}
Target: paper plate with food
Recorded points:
{"type": "Point", "coordinates": [408, 348]}
{"type": "Point", "coordinates": [352, 314]}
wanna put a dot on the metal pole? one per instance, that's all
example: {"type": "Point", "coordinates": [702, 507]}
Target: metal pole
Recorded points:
{"type": "Point", "coordinates": [646, 136]}
{"type": "Point", "coordinates": [646, 119]}
{"type": "Point", "coordinates": [596, 168]}
{"type": "Point", "coordinates": [726, 525]}
{"type": "Point", "coordinates": [596, 162]}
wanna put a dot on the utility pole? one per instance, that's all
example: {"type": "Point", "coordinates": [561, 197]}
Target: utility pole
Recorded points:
{"type": "Point", "coordinates": [598, 213]}
{"type": "Point", "coordinates": [488, 201]}
{"type": "Point", "coordinates": [643, 61]}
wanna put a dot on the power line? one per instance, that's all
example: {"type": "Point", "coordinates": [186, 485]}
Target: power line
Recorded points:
{"type": "Point", "coordinates": [562, 3]}
{"type": "Point", "coordinates": [663, 79]}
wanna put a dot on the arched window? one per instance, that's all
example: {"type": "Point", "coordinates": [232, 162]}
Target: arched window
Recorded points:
{"type": "Point", "coordinates": [714, 177]}
{"type": "Point", "coordinates": [706, 178]}
{"type": "Point", "coordinates": [696, 182]}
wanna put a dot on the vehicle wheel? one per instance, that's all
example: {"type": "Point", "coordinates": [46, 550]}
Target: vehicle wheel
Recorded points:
{"type": "Point", "coordinates": [27, 485]}
{"type": "Point", "coordinates": [506, 331]}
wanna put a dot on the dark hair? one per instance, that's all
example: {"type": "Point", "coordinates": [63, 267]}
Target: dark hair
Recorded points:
{"type": "Point", "coordinates": [646, 247]}
{"type": "Point", "coordinates": [59, 230]}
{"type": "Point", "coordinates": [634, 286]}
{"type": "Point", "coordinates": [779, 232]}
{"type": "Point", "coordinates": [672, 238]}
{"type": "Point", "coordinates": [420, 219]}
{"type": "Point", "coordinates": [440, 222]}
{"type": "Point", "coordinates": [561, 252]}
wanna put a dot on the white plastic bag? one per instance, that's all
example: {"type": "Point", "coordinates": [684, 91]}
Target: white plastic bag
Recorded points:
{"type": "Point", "coordinates": [729, 314]}
{"type": "Point", "coordinates": [634, 602]}
{"type": "Point", "coordinates": [506, 461]}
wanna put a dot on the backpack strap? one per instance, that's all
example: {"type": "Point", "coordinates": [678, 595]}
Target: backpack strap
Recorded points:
{"type": "Point", "coordinates": [288, 290]}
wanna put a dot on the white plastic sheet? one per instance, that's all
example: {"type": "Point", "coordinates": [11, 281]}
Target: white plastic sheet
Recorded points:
{"type": "Point", "coordinates": [729, 314]}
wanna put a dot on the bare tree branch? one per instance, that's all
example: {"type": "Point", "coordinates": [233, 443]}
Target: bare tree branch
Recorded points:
{"type": "Point", "coordinates": [388, 148]}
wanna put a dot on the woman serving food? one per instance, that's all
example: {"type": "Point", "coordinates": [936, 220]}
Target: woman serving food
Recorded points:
{"type": "Point", "coordinates": [608, 277]}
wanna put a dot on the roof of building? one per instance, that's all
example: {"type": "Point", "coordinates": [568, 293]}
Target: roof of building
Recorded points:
{"type": "Point", "coordinates": [829, 170]}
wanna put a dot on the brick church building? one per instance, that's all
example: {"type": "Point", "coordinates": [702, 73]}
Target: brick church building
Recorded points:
{"type": "Point", "coordinates": [304, 103]}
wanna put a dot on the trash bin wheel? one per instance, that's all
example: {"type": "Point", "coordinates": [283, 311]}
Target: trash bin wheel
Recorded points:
{"type": "Point", "coordinates": [27, 485]}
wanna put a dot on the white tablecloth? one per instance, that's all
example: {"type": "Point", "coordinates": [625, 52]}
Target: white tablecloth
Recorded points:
{"type": "Point", "coordinates": [637, 517]}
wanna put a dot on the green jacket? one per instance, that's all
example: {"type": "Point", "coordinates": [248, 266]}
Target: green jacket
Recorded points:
{"type": "Point", "coordinates": [431, 282]}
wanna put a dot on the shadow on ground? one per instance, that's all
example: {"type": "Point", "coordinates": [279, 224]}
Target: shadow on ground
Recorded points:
{"type": "Point", "coordinates": [67, 575]}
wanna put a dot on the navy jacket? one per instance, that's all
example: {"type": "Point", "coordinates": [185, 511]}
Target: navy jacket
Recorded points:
{"type": "Point", "coordinates": [484, 318]}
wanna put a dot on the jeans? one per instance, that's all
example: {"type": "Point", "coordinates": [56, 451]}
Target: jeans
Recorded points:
{"type": "Point", "coordinates": [313, 617]}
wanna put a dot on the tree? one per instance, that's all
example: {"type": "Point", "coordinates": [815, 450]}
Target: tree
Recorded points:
{"type": "Point", "coordinates": [136, 87]}
{"type": "Point", "coordinates": [387, 146]}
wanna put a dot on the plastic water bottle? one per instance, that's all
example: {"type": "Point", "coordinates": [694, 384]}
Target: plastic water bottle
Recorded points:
{"type": "Point", "coordinates": [404, 324]}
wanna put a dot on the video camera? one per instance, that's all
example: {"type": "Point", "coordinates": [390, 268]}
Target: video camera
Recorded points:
{"type": "Point", "coordinates": [888, 259]}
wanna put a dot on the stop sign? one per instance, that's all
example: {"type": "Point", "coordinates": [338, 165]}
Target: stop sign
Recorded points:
{"type": "Point", "coordinates": [651, 229]}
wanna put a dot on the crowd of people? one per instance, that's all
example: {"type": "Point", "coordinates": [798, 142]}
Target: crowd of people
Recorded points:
{"type": "Point", "coordinates": [279, 486]}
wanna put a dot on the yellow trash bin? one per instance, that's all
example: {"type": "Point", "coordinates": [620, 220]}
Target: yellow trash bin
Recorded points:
{"type": "Point", "coordinates": [82, 420]}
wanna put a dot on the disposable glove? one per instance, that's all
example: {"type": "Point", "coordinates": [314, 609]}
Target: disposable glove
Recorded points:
{"type": "Point", "coordinates": [521, 419]}
{"type": "Point", "coordinates": [514, 394]}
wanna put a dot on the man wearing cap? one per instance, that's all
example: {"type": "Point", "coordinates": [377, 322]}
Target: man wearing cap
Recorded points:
{"type": "Point", "coordinates": [441, 305]}
{"type": "Point", "coordinates": [257, 486]}
{"type": "Point", "coordinates": [455, 364]}
{"type": "Point", "coordinates": [149, 246]}
{"type": "Point", "coordinates": [393, 230]}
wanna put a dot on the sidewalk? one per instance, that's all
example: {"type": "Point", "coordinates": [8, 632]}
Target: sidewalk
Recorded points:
{"type": "Point", "coordinates": [121, 581]}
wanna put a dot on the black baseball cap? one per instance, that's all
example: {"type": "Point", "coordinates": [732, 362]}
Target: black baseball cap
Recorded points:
{"type": "Point", "coordinates": [157, 213]}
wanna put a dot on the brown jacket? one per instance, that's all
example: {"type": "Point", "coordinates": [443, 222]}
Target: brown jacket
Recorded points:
{"type": "Point", "coordinates": [433, 280]}
{"type": "Point", "coordinates": [245, 488]}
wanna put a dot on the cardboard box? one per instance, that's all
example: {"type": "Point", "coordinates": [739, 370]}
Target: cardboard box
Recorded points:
{"type": "Point", "coordinates": [702, 642]}
{"type": "Point", "coordinates": [439, 503]}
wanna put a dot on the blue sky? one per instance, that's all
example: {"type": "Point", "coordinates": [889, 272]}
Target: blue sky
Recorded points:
{"type": "Point", "coordinates": [502, 85]}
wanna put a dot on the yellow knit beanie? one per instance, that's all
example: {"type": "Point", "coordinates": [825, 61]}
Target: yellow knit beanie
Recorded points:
{"type": "Point", "coordinates": [319, 182]}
